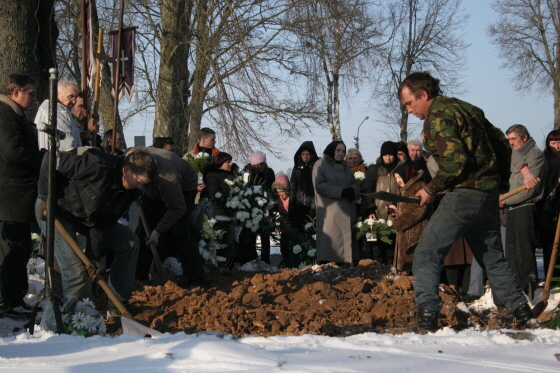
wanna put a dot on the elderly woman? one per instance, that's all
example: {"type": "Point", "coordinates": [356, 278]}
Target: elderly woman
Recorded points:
{"type": "Point", "coordinates": [335, 192]}
{"type": "Point", "coordinates": [355, 160]}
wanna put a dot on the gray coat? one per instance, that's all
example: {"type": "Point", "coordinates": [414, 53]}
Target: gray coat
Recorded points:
{"type": "Point", "coordinates": [533, 157]}
{"type": "Point", "coordinates": [335, 216]}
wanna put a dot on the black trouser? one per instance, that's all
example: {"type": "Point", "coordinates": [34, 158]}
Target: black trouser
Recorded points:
{"type": "Point", "coordinates": [15, 250]}
{"type": "Point", "coordinates": [521, 244]}
{"type": "Point", "coordinates": [176, 242]}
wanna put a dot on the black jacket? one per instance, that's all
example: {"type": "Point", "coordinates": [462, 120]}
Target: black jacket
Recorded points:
{"type": "Point", "coordinates": [89, 188]}
{"type": "Point", "coordinates": [266, 179]}
{"type": "Point", "coordinates": [301, 184]}
{"type": "Point", "coordinates": [215, 181]}
{"type": "Point", "coordinates": [20, 162]}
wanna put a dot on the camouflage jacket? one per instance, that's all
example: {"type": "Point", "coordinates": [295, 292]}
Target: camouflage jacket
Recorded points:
{"type": "Point", "coordinates": [469, 150]}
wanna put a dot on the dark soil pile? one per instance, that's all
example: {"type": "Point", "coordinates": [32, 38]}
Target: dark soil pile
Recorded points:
{"type": "Point", "coordinates": [328, 300]}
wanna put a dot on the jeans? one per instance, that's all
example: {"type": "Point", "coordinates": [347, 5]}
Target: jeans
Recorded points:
{"type": "Point", "coordinates": [473, 214]}
{"type": "Point", "coordinates": [75, 281]}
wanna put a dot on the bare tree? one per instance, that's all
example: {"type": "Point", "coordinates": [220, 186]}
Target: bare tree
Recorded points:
{"type": "Point", "coordinates": [426, 39]}
{"type": "Point", "coordinates": [528, 35]}
{"type": "Point", "coordinates": [337, 39]}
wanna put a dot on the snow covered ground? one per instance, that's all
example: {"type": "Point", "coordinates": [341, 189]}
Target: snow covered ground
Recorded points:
{"type": "Point", "coordinates": [444, 351]}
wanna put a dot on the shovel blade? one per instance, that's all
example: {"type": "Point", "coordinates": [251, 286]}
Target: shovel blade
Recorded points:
{"type": "Point", "coordinates": [132, 327]}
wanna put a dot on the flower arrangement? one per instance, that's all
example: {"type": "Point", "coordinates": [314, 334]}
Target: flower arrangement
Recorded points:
{"type": "Point", "coordinates": [249, 206]}
{"type": "Point", "coordinates": [302, 245]}
{"type": "Point", "coordinates": [373, 229]}
{"type": "Point", "coordinates": [210, 243]}
{"type": "Point", "coordinates": [360, 176]}
{"type": "Point", "coordinates": [85, 320]}
{"type": "Point", "coordinates": [199, 162]}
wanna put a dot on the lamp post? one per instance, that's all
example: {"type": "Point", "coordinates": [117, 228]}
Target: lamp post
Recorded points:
{"type": "Point", "coordinates": [357, 138]}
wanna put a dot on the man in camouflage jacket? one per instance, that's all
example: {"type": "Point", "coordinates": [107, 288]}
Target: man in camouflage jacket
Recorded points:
{"type": "Point", "coordinates": [473, 160]}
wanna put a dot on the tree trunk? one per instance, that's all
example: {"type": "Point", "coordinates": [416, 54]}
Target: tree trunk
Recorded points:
{"type": "Point", "coordinates": [172, 89]}
{"type": "Point", "coordinates": [404, 124]}
{"type": "Point", "coordinates": [337, 134]}
{"type": "Point", "coordinates": [28, 35]}
{"type": "Point", "coordinates": [198, 93]}
{"type": "Point", "coordinates": [556, 109]}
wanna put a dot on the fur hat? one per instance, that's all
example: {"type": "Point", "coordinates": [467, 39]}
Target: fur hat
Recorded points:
{"type": "Point", "coordinates": [281, 184]}
{"type": "Point", "coordinates": [257, 157]}
{"type": "Point", "coordinates": [390, 148]}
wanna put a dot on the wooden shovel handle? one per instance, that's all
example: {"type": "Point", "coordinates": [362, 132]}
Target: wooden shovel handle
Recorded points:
{"type": "Point", "coordinates": [515, 191]}
{"type": "Point", "coordinates": [546, 290]}
{"type": "Point", "coordinates": [83, 257]}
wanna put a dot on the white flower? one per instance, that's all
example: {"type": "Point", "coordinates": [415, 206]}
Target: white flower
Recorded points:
{"type": "Point", "coordinates": [359, 175]}
{"type": "Point", "coordinates": [382, 221]}
{"type": "Point", "coordinates": [302, 265]}
{"type": "Point", "coordinates": [236, 190]}
{"type": "Point", "coordinates": [92, 324]}
{"type": "Point", "coordinates": [369, 221]}
{"type": "Point", "coordinates": [257, 188]}
{"type": "Point", "coordinates": [249, 224]}
{"type": "Point", "coordinates": [296, 249]}
{"type": "Point", "coordinates": [200, 178]}
{"type": "Point", "coordinates": [102, 327]}
{"type": "Point", "coordinates": [218, 195]}
{"type": "Point", "coordinates": [261, 201]}
{"type": "Point", "coordinates": [79, 320]}
{"type": "Point", "coordinates": [206, 255]}
{"type": "Point", "coordinates": [359, 225]}
{"type": "Point", "coordinates": [202, 155]}
{"type": "Point", "coordinates": [311, 252]}
{"type": "Point", "coordinates": [246, 202]}
{"type": "Point", "coordinates": [248, 192]}
{"type": "Point", "coordinates": [212, 222]}
{"type": "Point", "coordinates": [308, 225]}
{"type": "Point", "coordinates": [35, 236]}
{"type": "Point", "coordinates": [389, 223]}
{"type": "Point", "coordinates": [241, 215]}
{"type": "Point", "coordinates": [228, 181]}
{"type": "Point", "coordinates": [314, 237]}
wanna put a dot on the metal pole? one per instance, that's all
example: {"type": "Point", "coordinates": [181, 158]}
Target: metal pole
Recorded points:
{"type": "Point", "coordinates": [118, 77]}
{"type": "Point", "coordinates": [357, 138]}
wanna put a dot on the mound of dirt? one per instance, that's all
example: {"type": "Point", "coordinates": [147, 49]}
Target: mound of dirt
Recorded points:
{"type": "Point", "coordinates": [326, 299]}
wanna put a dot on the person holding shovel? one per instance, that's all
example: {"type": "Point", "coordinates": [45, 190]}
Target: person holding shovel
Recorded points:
{"type": "Point", "coordinates": [93, 191]}
{"type": "Point", "coordinates": [473, 159]}
{"type": "Point", "coordinates": [168, 202]}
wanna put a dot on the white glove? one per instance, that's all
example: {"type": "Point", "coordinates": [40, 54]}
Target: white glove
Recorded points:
{"type": "Point", "coordinates": [154, 238]}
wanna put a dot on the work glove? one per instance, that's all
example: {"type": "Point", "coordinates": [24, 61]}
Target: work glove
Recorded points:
{"type": "Point", "coordinates": [154, 238]}
{"type": "Point", "coordinates": [42, 210]}
{"type": "Point", "coordinates": [94, 270]}
{"type": "Point", "coordinates": [348, 194]}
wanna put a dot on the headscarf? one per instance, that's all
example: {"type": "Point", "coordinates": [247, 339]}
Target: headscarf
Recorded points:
{"type": "Point", "coordinates": [330, 149]}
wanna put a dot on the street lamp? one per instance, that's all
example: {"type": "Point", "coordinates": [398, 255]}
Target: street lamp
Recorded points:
{"type": "Point", "coordinates": [357, 138]}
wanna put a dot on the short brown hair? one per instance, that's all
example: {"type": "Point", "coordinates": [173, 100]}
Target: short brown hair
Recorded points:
{"type": "Point", "coordinates": [421, 81]}
{"type": "Point", "coordinates": [19, 81]}
{"type": "Point", "coordinates": [140, 160]}
{"type": "Point", "coordinates": [205, 132]}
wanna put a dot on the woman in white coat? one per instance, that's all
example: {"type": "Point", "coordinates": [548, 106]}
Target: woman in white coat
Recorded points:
{"type": "Point", "coordinates": [335, 192]}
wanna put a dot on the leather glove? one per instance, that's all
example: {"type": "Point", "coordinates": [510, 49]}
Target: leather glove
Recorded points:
{"type": "Point", "coordinates": [154, 238]}
{"type": "Point", "coordinates": [94, 270]}
{"type": "Point", "coordinates": [42, 210]}
{"type": "Point", "coordinates": [348, 194]}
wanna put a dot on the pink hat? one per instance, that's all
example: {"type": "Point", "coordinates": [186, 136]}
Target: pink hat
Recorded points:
{"type": "Point", "coordinates": [281, 183]}
{"type": "Point", "coordinates": [257, 157]}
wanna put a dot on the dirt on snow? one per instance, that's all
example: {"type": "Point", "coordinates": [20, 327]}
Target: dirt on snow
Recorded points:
{"type": "Point", "coordinates": [326, 300]}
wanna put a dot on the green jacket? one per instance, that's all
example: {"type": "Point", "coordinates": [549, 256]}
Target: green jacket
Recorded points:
{"type": "Point", "coordinates": [469, 150]}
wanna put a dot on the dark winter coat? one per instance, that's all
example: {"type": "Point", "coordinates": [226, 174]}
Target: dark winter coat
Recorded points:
{"type": "Point", "coordinates": [89, 188]}
{"type": "Point", "coordinates": [20, 162]}
{"type": "Point", "coordinates": [215, 180]}
{"type": "Point", "coordinates": [302, 194]}
{"type": "Point", "coordinates": [409, 223]}
{"type": "Point", "coordinates": [265, 179]}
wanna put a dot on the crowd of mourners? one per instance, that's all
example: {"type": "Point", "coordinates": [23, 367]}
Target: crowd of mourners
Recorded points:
{"type": "Point", "coordinates": [451, 234]}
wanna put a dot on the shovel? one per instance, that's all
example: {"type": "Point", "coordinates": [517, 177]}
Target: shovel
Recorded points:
{"type": "Point", "coordinates": [129, 326]}
{"type": "Point", "coordinates": [541, 306]}
{"type": "Point", "coordinates": [391, 197]}
{"type": "Point", "coordinates": [160, 277]}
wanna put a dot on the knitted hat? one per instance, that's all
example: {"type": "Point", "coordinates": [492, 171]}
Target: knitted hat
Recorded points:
{"type": "Point", "coordinates": [390, 148]}
{"type": "Point", "coordinates": [281, 184]}
{"type": "Point", "coordinates": [257, 157]}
